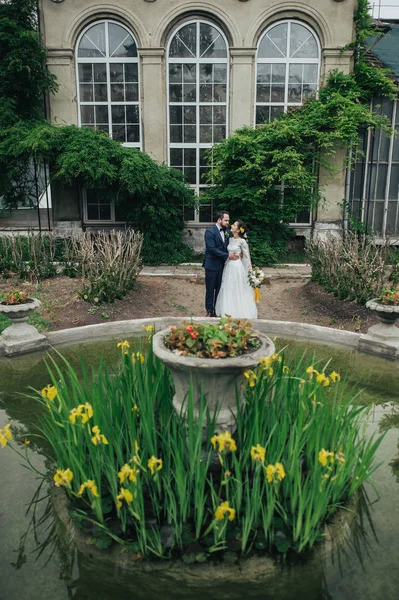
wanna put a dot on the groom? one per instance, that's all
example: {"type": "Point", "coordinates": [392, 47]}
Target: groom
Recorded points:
{"type": "Point", "coordinates": [216, 242]}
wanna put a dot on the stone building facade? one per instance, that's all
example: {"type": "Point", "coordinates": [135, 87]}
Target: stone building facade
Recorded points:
{"type": "Point", "coordinates": [173, 77]}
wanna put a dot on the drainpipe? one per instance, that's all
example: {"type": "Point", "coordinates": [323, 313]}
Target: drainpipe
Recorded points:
{"type": "Point", "coordinates": [347, 192]}
{"type": "Point", "coordinates": [369, 178]}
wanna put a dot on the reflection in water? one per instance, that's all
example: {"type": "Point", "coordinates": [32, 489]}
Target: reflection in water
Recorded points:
{"type": "Point", "coordinates": [389, 421]}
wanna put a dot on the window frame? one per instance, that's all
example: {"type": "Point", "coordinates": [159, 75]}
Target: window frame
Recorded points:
{"type": "Point", "coordinates": [109, 60]}
{"type": "Point", "coordinates": [287, 61]}
{"type": "Point", "coordinates": [198, 186]}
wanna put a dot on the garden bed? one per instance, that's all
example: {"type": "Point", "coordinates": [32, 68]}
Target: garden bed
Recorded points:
{"type": "Point", "coordinates": [303, 301]}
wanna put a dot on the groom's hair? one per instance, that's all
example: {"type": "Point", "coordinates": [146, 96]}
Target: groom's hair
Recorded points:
{"type": "Point", "coordinates": [220, 214]}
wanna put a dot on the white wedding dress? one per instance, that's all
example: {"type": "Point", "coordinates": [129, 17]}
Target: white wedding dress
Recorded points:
{"type": "Point", "coordinates": [236, 296]}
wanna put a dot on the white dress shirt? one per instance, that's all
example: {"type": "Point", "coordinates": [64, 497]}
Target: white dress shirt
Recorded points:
{"type": "Point", "coordinates": [221, 233]}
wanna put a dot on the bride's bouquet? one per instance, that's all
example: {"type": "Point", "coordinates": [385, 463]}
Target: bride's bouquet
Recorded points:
{"type": "Point", "coordinates": [255, 280]}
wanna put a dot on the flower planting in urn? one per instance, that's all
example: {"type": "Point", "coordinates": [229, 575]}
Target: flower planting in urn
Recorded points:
{"type": "Point", "coordinates": [20, 337]}
{"type": "Point", "coordinates": [213, 360]}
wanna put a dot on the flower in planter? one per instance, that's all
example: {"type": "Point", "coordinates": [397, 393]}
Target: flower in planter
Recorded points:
{"type": "Point", "coordinates": [390, 297]}
{"type": "Point", "coordinates": [14, 297]}
{"type": "Point", "coordinates": [227, 338]}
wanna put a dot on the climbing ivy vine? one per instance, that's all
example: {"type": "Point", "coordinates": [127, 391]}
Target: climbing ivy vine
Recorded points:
{"type": "Point", "coordinates": [250, 167]}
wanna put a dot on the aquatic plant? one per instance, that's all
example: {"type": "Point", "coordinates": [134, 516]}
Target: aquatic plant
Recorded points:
{"type": "Point", "coordinates": [138, 473]}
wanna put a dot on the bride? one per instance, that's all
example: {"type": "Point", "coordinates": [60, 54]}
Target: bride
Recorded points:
{"type": "Point", "coordinates": [236, 296]}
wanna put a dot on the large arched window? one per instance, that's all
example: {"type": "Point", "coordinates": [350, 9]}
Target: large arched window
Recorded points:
{"type": "Point", "coordinates": [108, 81]}
{"type": "Point", "coordinates": [197, 99]}
{"type": "Point", "coordinates": [287, 69]}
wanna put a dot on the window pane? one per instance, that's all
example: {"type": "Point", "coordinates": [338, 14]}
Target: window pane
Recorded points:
{"type": "Point", "coordinates": [276, 111]}
{"type": "Point", "coordinates": [116, 72]}
{"type": "Point", "coordinates": [309, 91]}
{"type": "Point", "coordinates": [100, 72]}
{"type": "Point", "coordinates": [205, 114]}
{"type": "Point", "coordinates": [205, 93]}
{"type": "Point", "coordinates": [278, 73]}
{"type": "Point", "coordinates": [132, 92]}
{"type": "Point", "coordinates": [176, 115]}
{"type": "Point", "coordinates": [87, 114]}
{"type": "Point", "coordinates": [219, 114]}
{"type": "Point", "coordinates": [220, 73]}
{"type": "Point", "coordinates": [184, 43]}
{"type": "Point", "coordinates": [175, 93]}
{"type": "Point", "coordinates": [190, 156]}
{"type": "Point", "coordinates": [100, 93]}
{"type": "Point", "coordinates": [392, 219]}
{"type": "Point", "coordinates": [121, 42]}
{"type": "Point", "coordinates": [206, 134]}
{"type": "Point", "coordinates": [105, 212]}
{"type": "Point", "coordinates": [219, 133]}
{"type": "Point", "coordinates": [132, 114]}
{"type": "Point", "coordinates": [86, 92]}
{"type": "Point", "coordinates": [277, 93]}
{"type": "Point", "coordinates": [262, 114]}
{"type": "Point", "coordinates": [176, 134]}
{"type": "Point", "coordinates": [117, 92]}
{"type": "Point", "coordinates": [212, 44]}
{"type": "Point", "coordinates": [205, 213]}
{"type": "Point", "coordinates": [101, 114]}
{"type": "Point", "coordinates": [189, 75]}
{"type": "Point", "coordinates": [131, 72]}
{"type": "Point", "coordinates": [92, 212]}
{"type": "Point", "coordinates": [263, 93]}
{"type": "Point", "coordinates": [189, 134]}
{"type": "Point", "coordinates": [86, 73]}
{"type": "Point", "coordinates": [394, 183]}
{"type": "Point", "coordinates": [175, 73]}
{"type": "Point", "coordinates": [189, 92]}
{"type": "Point", "coordinates": [190, 174]}
{"type": "Point", "coordinates": [310, 73]}
{"type": "Point", "coordinates": [302, 42]}
{"type": "Point", "coordinates": [294, 93]}
{"type": "Point", "coordinates": [264, 73]}
{"type": "Point", "coordinates": [206, 73]}
{"type": "Point", "coordinates": [133, 134]}
{"type": "Point", "coordinates": [189, 115]}
{"type": "Point", "coordinates": [119, 133]}
{"type": "Point", "coordinates": [274, 43]}
{"type": "Point", "coordinates": [118, 114]}
{"type": "Point", "coordinates": [219, 93]}
{"type": "Point", "coordinates": [92, 43]}
{"type": "Point", "coordinates": [176, 157]}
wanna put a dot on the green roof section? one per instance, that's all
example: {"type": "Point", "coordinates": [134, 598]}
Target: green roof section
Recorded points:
{"type": "Point", "coordinates": [387, 49]}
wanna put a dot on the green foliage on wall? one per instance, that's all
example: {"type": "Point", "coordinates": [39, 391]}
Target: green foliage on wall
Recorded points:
{"type": "Point", "coordinates": [23, 76]}
{"type": "Point", "coordinates": [249, 167]}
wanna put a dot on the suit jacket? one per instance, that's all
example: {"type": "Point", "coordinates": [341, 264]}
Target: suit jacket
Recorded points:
{"type": "Point", "coordinates": [215, 249]}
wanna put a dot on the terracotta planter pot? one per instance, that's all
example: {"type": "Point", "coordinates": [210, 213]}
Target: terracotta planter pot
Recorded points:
{"type": "Point", "coordinates": [220, 379]}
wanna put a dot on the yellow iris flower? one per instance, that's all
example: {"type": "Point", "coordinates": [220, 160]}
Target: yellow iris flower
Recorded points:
{"type": "Point", "coordinates": [154, 464]}
{"type": "Point", "coordinates": [224, 441]}
{"type": "Point", "coordinates": [124, 346]}
{"type": "Point", "coordinates": [128, 472]}
{"type": "Point", "coordinates": [98, 437]}
{"type": "Point", "coordinates": [258, 453]}
{"type": "Point", "coordinates": [275, 472]}
{"type": "Point", "coordinates": [325, 456]}
{"type": "Point", "coordinates": [223, 510]}
{"type": "Point", "coordinates": [125, 495]}
{"type": "Point", "coordinates": [138, 357]}
{"type": "Point", "coordinates": [5, 435]}
{"type": "Point", "coordinates": [334, 376]}
{"type": "Point", "coordinates": [91, 486]}
{"type": "Point", "coordinates": [63, 477]}
{"type": "Point", "coordinates": [83, 411]}
{"type": "Point", "coordinates": [251, 376]}
{"type": "Point", "coordinates": [321, 378]}
{"type": "Point", "coordinates": [49, 392]}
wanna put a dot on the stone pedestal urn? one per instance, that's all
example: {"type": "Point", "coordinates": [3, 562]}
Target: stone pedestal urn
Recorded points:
{"type": "Point", "coordinates": [21, 337]}
{"type": "Point", "coordinates": [383, 338]}
{"type": "Point", "coordinates": [219, 379]}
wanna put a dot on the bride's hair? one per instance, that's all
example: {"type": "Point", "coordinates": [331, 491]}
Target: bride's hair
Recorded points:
{"type": "Point", "coordinates": [242, 229]}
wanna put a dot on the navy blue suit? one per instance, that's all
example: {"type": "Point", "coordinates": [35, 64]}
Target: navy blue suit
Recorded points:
{"type": "Point", "coordinates": [215, 258]}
